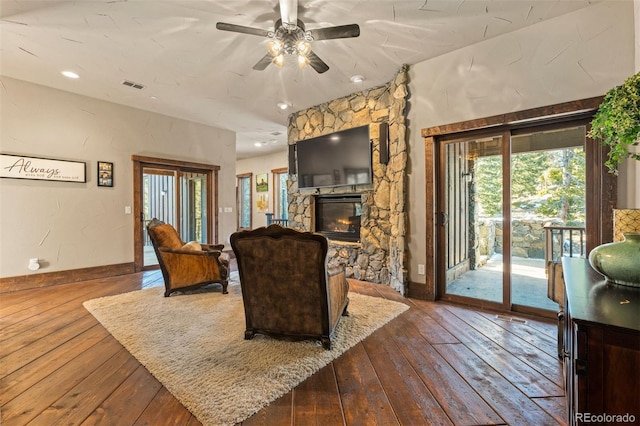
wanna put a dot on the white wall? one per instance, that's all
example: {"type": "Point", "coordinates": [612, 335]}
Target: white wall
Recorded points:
{"type": "Point", "coordinates": [77, 225]}
{"type": "Point", "coordinates": [575, 56]}
{"type": "Point", "coordinates": [260, 165]}
{"type": "Point", "coordinates": [628, 188]}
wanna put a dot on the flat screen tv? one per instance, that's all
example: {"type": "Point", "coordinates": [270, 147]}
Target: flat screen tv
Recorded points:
{"type": "Point", "coordinates": [336, 159]}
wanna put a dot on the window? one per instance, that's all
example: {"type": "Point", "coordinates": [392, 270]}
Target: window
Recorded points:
{"type": "Point", "coordinates": [280, 199]}
{"type": "Point", "coordinates": [243, 200]}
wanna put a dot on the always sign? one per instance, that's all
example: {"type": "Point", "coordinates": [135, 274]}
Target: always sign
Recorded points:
{"type": "Point", "coordinates": [21, 167]}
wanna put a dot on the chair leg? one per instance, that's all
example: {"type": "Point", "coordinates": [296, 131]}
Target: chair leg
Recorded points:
{"type": "Point", "coordinates": [225, 284]}
{"type": "Point", "coordinates": [345, 313]}
{"type": "Point", "coordinates": [326, 343]}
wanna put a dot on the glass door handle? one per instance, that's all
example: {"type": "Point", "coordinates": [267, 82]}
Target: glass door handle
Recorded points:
{"type": "Point", "coordinates": [444, 218]}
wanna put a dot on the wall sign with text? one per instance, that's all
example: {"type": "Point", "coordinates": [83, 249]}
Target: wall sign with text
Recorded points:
{"type": "Point", "coordinates": [22, 167]}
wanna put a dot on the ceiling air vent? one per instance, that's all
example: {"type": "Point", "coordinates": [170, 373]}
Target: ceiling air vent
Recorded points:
{"type": "Point", "coordinates": [133, 84]}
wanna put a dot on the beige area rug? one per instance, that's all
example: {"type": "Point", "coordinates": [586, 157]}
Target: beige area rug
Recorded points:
{"type": "Point", "coordinates": [194, 345]}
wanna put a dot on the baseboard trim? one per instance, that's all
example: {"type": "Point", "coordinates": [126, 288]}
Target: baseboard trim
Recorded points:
{"type": "Point", "coordinates": [25, 282]}
{"type": "Point", "coordinates": [420, 291]}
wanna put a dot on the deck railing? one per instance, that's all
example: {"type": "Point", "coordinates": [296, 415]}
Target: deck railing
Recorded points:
{"type": "Point", "coordinates": [564, 241]}
{"type": "Point", "coordinates": [271, 219]}
{"type": "Point", "coordinates": [561, 241]}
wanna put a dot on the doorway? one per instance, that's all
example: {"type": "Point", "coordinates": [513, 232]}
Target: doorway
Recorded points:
{"type": "Point", "coordinates": [178, 193]}
{"type": "Point", "coordinates": [499, 193]}
{"type": "Point", "coordinates": [244, 200]}
{"type": "Point", "coordinates": [486, 179]}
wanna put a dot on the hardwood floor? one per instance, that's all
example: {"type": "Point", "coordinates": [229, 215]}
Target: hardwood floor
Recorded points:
{"type": "Point", "coordinates": [434, 364]}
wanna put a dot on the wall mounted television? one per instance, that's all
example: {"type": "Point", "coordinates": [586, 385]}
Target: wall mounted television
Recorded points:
{"type": "Point", "coordinates": [337, 159]}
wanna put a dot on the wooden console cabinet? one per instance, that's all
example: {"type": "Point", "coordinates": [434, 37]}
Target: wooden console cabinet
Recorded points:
{"type": "Point", "coordinates": [601, 347]}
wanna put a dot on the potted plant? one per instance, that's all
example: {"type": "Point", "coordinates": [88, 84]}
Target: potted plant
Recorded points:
{"type": "Point", "coordinates": [617, 122]}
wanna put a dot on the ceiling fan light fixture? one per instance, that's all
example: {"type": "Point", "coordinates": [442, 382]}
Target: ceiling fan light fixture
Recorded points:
{"type": "Point", "coordinates": [275, 47]}
{"type": "Point", "coordinates": [279, 60]}
{"type": "Point", "coordinates": [302, 61]}
{"type": "Point", "coordinates": [303, 47]}
{"type": "Point", "coordinates": [290, 37]}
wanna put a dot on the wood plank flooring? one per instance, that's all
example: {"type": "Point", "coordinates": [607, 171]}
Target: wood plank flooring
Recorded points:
{"type": "Point", "coordinates": [436, 364]}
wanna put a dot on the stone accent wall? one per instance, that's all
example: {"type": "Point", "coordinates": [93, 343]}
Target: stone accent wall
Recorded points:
{"type": "Point", "coordinates": [380, 257]}
{"type": "Point", "coordinates": [527, 240]}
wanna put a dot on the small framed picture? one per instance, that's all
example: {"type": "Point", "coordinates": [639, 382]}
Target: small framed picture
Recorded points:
{"type": "Point", "coordinates": [262, 182]}
{"type": "Point", "coordinates": [105, 173]}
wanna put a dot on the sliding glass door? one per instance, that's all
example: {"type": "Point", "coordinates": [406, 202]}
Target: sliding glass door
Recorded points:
{"type": "Point", "coordinates": [497, 194]}
{"type": "Point", "coordinates": [548, 188]}
{"type": "Point", "coordinates": [181, 194]}
{"type": "Point", "coordinates": [159, 201]}
{"type": "Point", "coordinates": [472, 219]}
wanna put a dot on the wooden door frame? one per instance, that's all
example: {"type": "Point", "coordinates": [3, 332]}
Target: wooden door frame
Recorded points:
{"type": "Point", "coordinates": [139, 163]}
{"type": "Point", "coordinates": [601, 193]}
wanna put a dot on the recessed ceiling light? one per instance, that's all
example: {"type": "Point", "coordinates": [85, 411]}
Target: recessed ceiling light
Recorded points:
{"type": "Point", "coordinates": [70, 74]}
{"type": "Point", "coordinates": [357, 78]}
{"type": "Point", "coordinates": [283, 105]}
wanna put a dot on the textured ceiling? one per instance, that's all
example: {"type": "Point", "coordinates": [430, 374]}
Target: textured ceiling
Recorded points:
{"type": "Point", "coordinates": [192, 71]}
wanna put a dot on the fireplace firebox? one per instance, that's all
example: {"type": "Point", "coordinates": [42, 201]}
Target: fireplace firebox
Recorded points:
{"type": "Point", "coordinates": [338, 217]}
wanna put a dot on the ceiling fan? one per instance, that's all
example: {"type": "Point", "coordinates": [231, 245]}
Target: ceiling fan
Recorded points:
{"type": "Point", "coordinates": [290, 37]}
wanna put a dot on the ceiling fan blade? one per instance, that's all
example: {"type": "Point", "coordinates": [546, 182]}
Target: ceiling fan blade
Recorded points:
{"type": "Point", "coordinates": [263, 63]}
{"type": "Point", "coordinates": [341, 31]}
{"type": "Point", "coordinates": [241, 29]}
{"type": "Point", "coordinates": [316, 63]}
{"type": "Point", "coordinates": [289, 11]}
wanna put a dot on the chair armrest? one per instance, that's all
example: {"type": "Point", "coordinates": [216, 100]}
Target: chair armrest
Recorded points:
{"type": "Point", "coordinates": [212, 247]}
{"type": "Point", "coordinates": [212, 253]}
{"type": "Point", "coordinates": [335, 270]}
{"type": "Point", "coordinates": [338, 289]}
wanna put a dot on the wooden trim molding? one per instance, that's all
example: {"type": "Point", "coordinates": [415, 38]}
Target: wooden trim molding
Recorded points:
{"type": "Point", "coordinates": [421, 291]}
{"type": "Point", "coordinates": [431, 270]}
{"type": "Point", "coordinates": [588, 106]}
{"type": "Point", "coordinates": [173, 163]}
{"type": "Point", "coordinates": [31, 281]}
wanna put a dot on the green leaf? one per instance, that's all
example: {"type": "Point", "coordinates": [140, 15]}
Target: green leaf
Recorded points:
{"type": "Point", "coordinates": [617, 122]}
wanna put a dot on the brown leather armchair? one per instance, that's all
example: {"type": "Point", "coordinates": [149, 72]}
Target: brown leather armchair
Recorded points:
{"type": "Point", "coordinates": [186, 266]}
{"type": "Point", "coordinates": [287, 290]}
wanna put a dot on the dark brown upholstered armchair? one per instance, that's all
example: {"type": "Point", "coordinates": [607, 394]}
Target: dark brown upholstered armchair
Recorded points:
{"type": "Point", "coordinates": [286, 287]}
{"type": "Point", "coordinates": [183, 267]}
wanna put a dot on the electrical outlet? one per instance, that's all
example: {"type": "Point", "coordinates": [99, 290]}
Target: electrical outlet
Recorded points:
{"type": "Point", "coordinates": [421, 269]}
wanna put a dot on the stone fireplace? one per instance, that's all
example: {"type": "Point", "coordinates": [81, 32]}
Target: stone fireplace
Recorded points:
{"type": "Point", "coordinates": [378, 254]}
{"type": "Point", "coordinates": [339, 217]}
